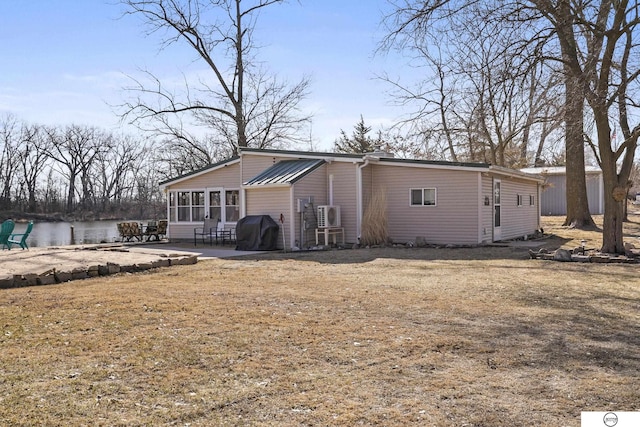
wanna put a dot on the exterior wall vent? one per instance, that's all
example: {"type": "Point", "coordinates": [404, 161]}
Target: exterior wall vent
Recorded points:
{"type": "Point", "coordinates": [328, 216]}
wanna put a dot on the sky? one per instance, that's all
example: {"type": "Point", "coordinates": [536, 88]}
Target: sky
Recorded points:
{"type": "Point", "coordinates": [67, 61]}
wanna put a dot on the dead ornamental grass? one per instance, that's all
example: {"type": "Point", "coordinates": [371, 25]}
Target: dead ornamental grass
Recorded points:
{"type": "Point", "coordinates": [367, 337]}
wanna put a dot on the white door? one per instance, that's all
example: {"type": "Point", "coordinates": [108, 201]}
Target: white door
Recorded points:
{"type": "Point", "coordinates": [497, 233]}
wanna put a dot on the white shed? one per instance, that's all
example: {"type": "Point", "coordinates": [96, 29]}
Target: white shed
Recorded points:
{"type": "Point", "coordinates": [553, 200]}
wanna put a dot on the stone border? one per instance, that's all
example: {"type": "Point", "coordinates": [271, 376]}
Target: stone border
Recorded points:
{"type": "Point", "coordinates": [584, 255]}
{"type": "Point", "coordinates": [54, 275]}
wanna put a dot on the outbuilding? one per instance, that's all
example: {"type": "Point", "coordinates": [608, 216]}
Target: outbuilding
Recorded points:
{"type": "Point", "coordinates": [553, 200]}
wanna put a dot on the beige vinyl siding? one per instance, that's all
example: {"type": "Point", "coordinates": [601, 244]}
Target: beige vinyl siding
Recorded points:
{"type": "Point", "coordinates": [273, 202]}
{"type": "Point", "coordinates": [486, 232]}
{"type": "Point", "coordinates": [182, 231]}
{"type": "Point", "coordinates": [313, 185]}
{"type": "Point", "coordinates": [226, 176]}
{"type": "Point", "coordinates": [253, 165]}
{"type": "Point", "coordinates": [518, 221]}
{"type": "Point", "coordinates": [345, 195]}
{"type": "Point", "coordinates": [453, 220]}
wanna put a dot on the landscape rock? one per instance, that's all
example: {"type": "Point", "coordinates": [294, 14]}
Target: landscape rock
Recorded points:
{"type": "Point", "coordinates": [47, 279]}
{"type": "Point", "coordinates": [562, 255]}
{"type": "Point", "coordinates": [6, 282]}
{"type": "Point", "coordinates": [421, 241]}
{"type": "Point", "coordinates": [63, 276]}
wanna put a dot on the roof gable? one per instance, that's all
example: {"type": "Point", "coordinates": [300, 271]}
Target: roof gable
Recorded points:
{"type": "Point", "coordinates": [195, 173]}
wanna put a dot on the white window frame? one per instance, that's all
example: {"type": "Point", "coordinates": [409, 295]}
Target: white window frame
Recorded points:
{"type": "Point", "coordinates": [422, 193]}
{"type": "Point", "coordinates": [520, 200]}
{"type": "Point", "coordinates": [225, 206]}
{"type": "Point", "coordinates": [174, 210]}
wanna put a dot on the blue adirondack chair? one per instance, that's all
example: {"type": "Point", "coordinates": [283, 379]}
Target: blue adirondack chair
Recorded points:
{"type": "Point", "coordinates": [21, 238]}
{"type": "Point", "coordinates": [5, 233]}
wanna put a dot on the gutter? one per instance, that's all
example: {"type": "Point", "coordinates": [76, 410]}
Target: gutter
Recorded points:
{"type": "Point", "coordinates": [512, 173]}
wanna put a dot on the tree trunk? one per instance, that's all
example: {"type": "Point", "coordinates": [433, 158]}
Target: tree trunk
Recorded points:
{"type": "Point", "coordinates": [612, 231]}
{"type": "Point", "coordinates": [578, 214]}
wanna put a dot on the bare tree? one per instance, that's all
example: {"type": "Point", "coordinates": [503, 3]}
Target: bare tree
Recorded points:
{"type": "Point", "coordinates": [9, 140]}
{"type": "Point", "coordinates": [594, 42]}
{"type": "Point", "coordinates": [115, 170]}
{"type": "Point", "coordinates": [75, 149]}
{"type": "Point", "coordinates": [33, 157]}
{"type": "Point", "coordinates": [599, 44]}
{"type": "Point", "coordinates": [487, 93]}
{"type": "Point", "coordinates": [240, 104]}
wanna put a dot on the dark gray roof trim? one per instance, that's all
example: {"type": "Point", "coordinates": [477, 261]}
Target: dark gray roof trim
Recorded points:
{"type": "Point", "coordinates": [435, 162]}
{"type": "Point", "coordinates": [301, 153]}
{"type": "Point", "coordinates": [285, 172]}
{"type": "Point", "coordinates": [195, 172]}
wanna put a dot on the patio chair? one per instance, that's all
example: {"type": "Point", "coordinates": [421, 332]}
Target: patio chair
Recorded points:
{"type": "Point", "coordinates": [5, 232]}
{"type": "Point", "coordinates": [209, 228]}
{"type": "Point", "coordinates": [129, 231]}
{"type": "Point", "coordinates": [155, 230]}
{"type": "Point", "coordinates": [151, 231]}
{"type": "Point", "coordinates": [162, 228]}
{"type": "Point", "coordinates": [21, 238]}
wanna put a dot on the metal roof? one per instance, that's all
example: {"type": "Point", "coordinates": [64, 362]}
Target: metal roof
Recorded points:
{"type": "Point", "coordinates": [285, 172]}
{"type": "Point", "coordinates": [558, 170]}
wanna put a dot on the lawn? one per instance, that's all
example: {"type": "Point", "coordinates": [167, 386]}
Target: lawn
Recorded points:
{"type": "Point", "coordinates": [390, 337]}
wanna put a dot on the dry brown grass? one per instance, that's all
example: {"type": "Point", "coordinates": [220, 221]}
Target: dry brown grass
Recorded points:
{"type": "Point", "coordinates": [424, 337]}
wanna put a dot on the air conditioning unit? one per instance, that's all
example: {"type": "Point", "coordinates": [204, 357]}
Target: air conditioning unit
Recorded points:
{"type": "Point", "coordinates": [328, 216]}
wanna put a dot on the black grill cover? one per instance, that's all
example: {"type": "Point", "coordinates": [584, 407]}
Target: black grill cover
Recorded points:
{"type": "Point", "coordinates": [257, 233]}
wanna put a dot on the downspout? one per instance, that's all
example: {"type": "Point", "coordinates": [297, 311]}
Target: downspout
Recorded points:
{"type": "Point", "coordinates": [243, 191]}
{"type": "Point", "coordinates": [360, 197]}
{"type": "Point", "coordinates": [480, 209]}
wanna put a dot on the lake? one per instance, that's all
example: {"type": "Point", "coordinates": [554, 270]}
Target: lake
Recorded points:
{"type": "Point", "coordinates": [59, 233]}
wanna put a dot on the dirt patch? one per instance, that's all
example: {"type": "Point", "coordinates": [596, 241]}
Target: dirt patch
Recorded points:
{"type": "Point", "coordinates": [475, 337]}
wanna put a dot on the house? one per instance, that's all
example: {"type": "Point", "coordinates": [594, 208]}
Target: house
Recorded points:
{"type": "Point", "coordinates": [442, 202]}
{"type": "Point", "coordinates": [553, 200]}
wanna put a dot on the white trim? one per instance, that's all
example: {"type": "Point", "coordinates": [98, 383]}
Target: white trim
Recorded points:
{"type": "Point", "coordinates": [359, 198]}
{"type": "Point", "coordinates": [292, 222]}
{"type": "Point", "coordinates": [495, 237]}
{"type": "Point", "coordinates": [512, 173]}
{"type": "Point", "coordinates": [253, 186]}
{"type": "Point", "coordinates": [331, 189]}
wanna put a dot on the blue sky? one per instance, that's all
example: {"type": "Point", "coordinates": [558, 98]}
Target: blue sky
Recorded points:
{"type": "Point", "coordinates": [66, 61]}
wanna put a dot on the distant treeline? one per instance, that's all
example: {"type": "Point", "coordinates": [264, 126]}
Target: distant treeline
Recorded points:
{"type": "Point", "coordinates": [76, 172]}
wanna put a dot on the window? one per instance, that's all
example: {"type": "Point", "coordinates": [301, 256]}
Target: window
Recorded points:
{"type": "Point", "coordinates": [186, 206]}
{"type": "Point", "coordinates": [172, 207]}
{"type": "Point", "coordinates": [195, 206]}
{"type": "Point", "coordinates": [532, 200]}
{"type": "Point", "coordinates": [520, 197]}
{"type": "Point", "coordinates": [423, 197]}
{"type": "Point", "coordinates": [215, 205]}
{"type": "Point", "coordinates": [232, 203]}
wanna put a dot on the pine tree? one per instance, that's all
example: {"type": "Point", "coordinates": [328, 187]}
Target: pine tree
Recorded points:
{"type": "Point", "coordinates": [359, 142]}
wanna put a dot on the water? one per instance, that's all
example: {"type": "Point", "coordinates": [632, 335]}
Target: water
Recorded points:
{"type": "Point", "coordinates": [59, 233]}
